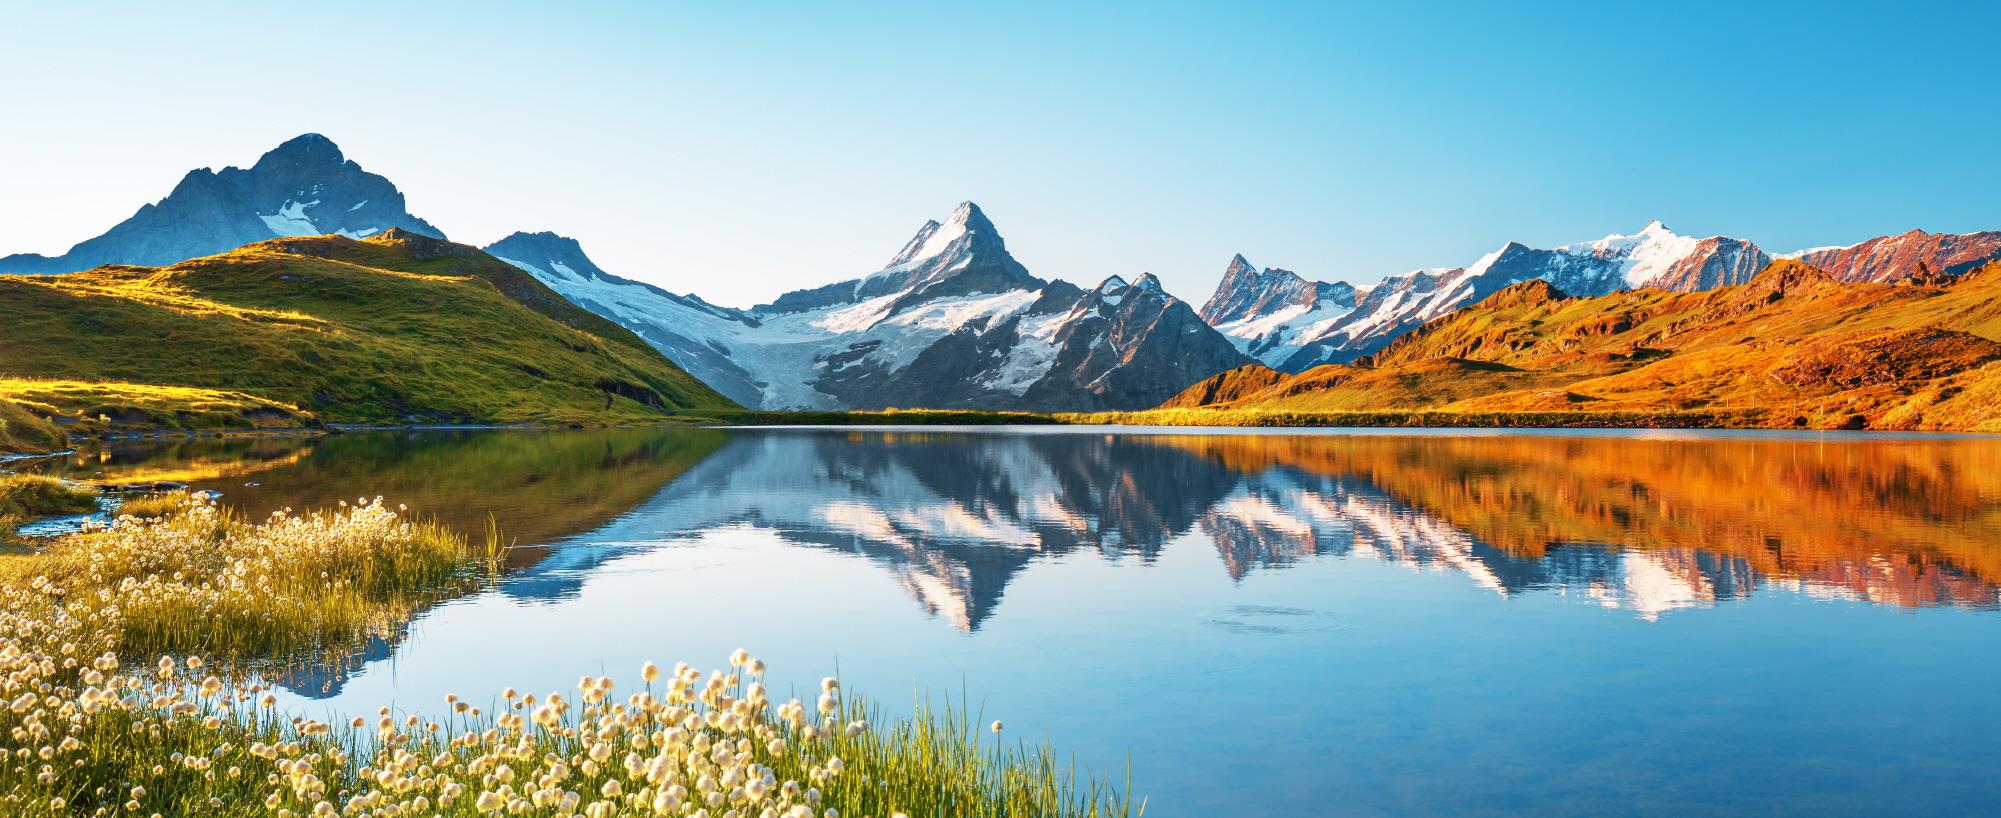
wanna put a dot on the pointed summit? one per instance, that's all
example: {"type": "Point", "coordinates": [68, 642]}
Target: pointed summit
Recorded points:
{"type": "Point", "coordinates": [1239, 266]}
{"type": "Point", "coordinates": [970, 217]}
{"type": "Point", "coordinates": [1148, 282]}
{"type": "Point", "coordinates": [967, 225]}
{"type": "Point", "coordinates": [962, 255]}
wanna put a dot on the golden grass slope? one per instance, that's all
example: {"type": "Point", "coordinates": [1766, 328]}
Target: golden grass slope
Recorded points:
{"type": "Point", "coordinates": [394, 328]}
{"type": "Point", "coordinates": [24, 432]}
{"type": "Point", "coordinates": [1791, 348]}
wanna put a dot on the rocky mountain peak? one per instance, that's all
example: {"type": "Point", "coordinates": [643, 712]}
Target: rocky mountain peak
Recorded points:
{"type": "Point", "coordinates": [546, 251]}
{"type": "Point", "coordinates": [303, 187]}
{"type": "Point", "coordinates": [302, 151]}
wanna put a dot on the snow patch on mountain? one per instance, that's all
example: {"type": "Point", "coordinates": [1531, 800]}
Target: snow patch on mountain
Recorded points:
{"type": "Point", "coordinates": [291, 220]}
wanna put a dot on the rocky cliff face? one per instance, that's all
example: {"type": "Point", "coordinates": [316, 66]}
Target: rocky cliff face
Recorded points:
{"type": "Point", "coordinates": [304, 187]}
{"type": "Point", "coordinates": [952, 321]}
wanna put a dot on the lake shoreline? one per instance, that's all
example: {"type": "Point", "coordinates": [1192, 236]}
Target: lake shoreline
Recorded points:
{"type": "Point", "coordinates": [1182, 418]}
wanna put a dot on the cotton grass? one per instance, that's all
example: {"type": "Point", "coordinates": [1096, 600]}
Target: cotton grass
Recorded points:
{"type": "Point", "coordinates": [106, 709]}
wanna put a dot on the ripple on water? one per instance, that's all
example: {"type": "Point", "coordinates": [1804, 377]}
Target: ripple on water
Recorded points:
{"type": "Point", "coordinates": [1267, 619]}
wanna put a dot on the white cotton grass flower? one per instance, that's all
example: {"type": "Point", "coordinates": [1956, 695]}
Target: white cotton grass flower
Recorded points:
{"type": "Point", "coordinates": [690, 742]}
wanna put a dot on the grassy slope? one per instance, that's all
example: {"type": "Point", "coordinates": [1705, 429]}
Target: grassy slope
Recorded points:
{"type": "Point", "coordinates": [24, 432]}
{"type": "Point", "coordinates": [394, 328]}
{"type": "Point", "coordinates": [1791, 348]}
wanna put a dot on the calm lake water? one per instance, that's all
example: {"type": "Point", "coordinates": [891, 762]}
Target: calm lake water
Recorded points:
{"type": "Point", "coordinates": [1264, 624]}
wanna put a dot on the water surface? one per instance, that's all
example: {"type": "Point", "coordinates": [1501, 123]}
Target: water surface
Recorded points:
{"type": "Point", "coordinates": [1263, 623]}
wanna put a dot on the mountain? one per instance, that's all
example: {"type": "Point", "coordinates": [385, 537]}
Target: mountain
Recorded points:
{"type": "Point", "coordinates": [682, 327]}
{"type": "Point", "coordinates": [1792, 347]}
{"type": "Point", "coordinates": [952, 321]}
{"type": "Point", "coordinates": [1269, 314]}
{"type": "Point", "coordinates": [303, 187]}
{"type": "Point", "coordinates": [398, 327]}
{"type": "Point", "coordinates": [1292, 324]}
{"type": "Point", "coordinates": [1899, 257]}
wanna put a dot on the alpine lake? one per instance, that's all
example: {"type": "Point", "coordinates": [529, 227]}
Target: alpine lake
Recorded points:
{"type": "Point", "coordinates": [1255, 622]}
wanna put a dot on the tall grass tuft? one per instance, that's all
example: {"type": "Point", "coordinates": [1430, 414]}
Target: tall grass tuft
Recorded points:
{"type": "Point", "coordinates": [153, 506]}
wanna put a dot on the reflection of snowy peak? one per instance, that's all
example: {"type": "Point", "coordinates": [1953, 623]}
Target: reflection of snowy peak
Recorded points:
{"type": "Point", "coordinates": [304, 187]}
{"type": "Point", "coordinates": [953, 321]}
{"type": "Point", "coordinates": [1293, 324]}
{"type": "Point", "coordinates": [956, 517]}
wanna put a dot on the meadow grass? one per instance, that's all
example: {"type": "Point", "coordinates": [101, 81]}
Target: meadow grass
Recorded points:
{"type": "Point", "coordinates": [24, 497]}
{"type": "Point", "coordinates": [153, 506]}
{"type": "Point", "coordinates": [94, 725]}
{"type": "Point", "coordinates": [327, 329]}
{"type": "Point", "coordinates": [24, 432]}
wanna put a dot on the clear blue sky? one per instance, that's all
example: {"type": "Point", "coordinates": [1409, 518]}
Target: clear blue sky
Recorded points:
{"type": "Point", "coordinates": [741, 149]}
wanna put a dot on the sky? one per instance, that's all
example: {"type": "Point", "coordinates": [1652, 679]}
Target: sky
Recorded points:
{"type": "Point", "coordinates": [740, 150]}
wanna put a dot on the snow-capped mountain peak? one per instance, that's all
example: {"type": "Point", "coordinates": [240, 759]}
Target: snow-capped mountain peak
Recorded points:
{"type": "Point", "coordinates": [952, 239]}
{"type": "Point", "coordinates": [1643, 257]}
{"type": "Point", "coordinates": [953, 321]}
{"type": "Point", "coordinates": [1287, 336]}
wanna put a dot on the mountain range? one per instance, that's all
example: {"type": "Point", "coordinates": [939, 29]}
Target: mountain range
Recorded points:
{"type": "Point", "coordinates": [1291, 324]}
{"type": "Point", "coordinates": [1794, 346]}
{"type": "Point", "coordinates": [953, 320]}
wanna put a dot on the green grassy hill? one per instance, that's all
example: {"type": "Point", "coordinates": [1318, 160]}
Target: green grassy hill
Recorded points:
{"type": "Point", "coordinates": [391, 329]}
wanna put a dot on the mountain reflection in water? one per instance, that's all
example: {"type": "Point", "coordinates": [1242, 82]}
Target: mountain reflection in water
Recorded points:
{"type": "Point", "coordinates": [1265, 624]}
{"type": "Point", "coordinates": [1646, 523]}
